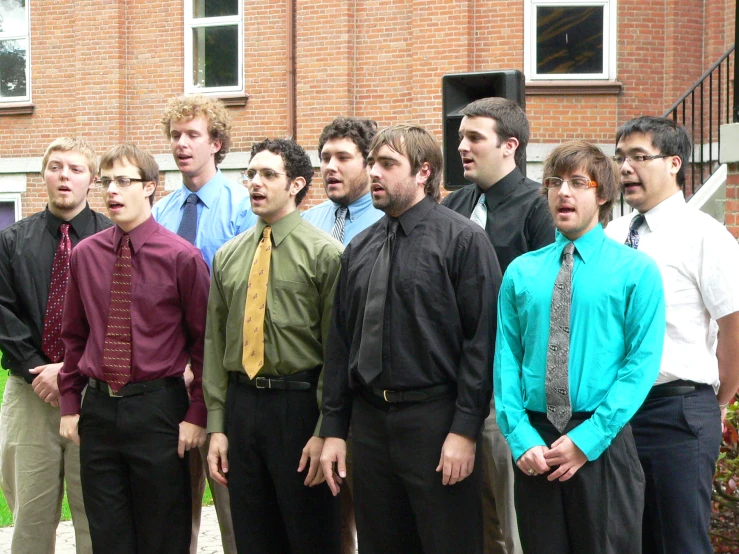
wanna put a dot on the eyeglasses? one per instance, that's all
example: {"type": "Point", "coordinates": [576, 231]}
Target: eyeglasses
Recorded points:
{"type": "Point", "coordinates": [104, 182]}
{"type": "Point", "coordinates": [574, 182]}
{"type": "Point", "coordinates": [637, 159]}
{"type": "Point", "coordinates": [264, 174]}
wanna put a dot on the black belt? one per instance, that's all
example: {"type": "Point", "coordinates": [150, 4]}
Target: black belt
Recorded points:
{"type": "Point", "coordinates": [304, 380]}
{"type": "Point", "coordinates": [414, 395]}
{"type": "Point", "coordinates": [675, 388]}
{"type": "Point", "coordinates": [134, 389]}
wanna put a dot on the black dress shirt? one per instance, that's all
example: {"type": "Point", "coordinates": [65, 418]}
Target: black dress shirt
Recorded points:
{"type": "Point", "coordinates": [440, 315]}
{"type": "Point", "coordinates": [518, 215]}
{"type": "Point", "coordinates": [27, 251]}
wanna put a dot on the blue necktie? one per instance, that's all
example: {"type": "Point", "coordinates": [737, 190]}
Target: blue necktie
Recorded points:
{"type": "Point", "coordinates": [189, 224]}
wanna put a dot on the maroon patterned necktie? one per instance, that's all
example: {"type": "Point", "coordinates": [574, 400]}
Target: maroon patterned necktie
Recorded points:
{"type": "Point", "coordinates": [51, 340]}
{"type": "Point", "coordinates": [117, 347]}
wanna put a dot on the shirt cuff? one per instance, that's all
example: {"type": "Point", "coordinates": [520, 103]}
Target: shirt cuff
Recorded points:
{"type": "Point", "coordinates": [467, 425]}
{"type": "Point", "coordinates": [332, 426]}
{"type": "Point", "coordinates": [69, 404]}
{"type": "Point", "coordinates": [216, 421]}
{"type": "Point", "coordinates": [197, 414]}
{"type": "Point", "coordinates": [523, 438]}
{"type": "Point", "coordinates": [26, 365]}
{"type": "Point", "coordinates": [588, 439]}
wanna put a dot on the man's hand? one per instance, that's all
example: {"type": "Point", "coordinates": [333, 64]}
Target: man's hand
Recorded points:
{"type": "Point", "coordinates": [45, 384]}
{"type": "Point", "coordinates": [334, 452]}
{"type": "Point", "coordinates": [457, 458]}
{"type": "Point", "coordinates": [565, 454]}
{"type": "Point", "coordinates": [188, 376]}
{"type": "Point", "coordinates": [312, 454]}
{"type": "Point", "coordinates": [218, 458]}
{"type": "Point", "coordinates": [191, 436]}
{"type": "Point", "coordinates": [532, 462]}
{"type": "Point", "coordinates": [68, 428]}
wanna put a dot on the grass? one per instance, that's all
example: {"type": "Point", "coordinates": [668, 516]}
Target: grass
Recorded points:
{"type": "Point", "coordinates": [6, 517]}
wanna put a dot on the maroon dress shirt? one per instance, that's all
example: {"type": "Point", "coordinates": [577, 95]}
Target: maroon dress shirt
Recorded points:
{"type": "Point", "coordinates": [169, 298]}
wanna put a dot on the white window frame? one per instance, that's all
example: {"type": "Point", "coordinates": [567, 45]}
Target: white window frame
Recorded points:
{"type": "Point", "coordinates": [9, 35]}
{"type": "Point", "coordinates": [609, 40]}
{"type": "Point", "coordinates": [192, 23]}
{"type": "Point", "coordinates": [14, 197]}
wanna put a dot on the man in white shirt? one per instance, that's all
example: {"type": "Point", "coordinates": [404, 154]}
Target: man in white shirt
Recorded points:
{"type": "Point", "coordinates": [678, 428]}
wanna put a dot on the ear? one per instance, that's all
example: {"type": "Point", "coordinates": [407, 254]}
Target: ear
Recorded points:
{"type": "Point", "coordinates": [215, 146]}
{"type": "Point", "coordinates": [296, 185]}
{"type": "Point", "coordinates": [510, 146]}
{"type": "Point", "coordinates": [149, 188]}
{"type": "Point", "coordinates": [424, 172]}
{"type": "Point", "coordinates": [675, 164]}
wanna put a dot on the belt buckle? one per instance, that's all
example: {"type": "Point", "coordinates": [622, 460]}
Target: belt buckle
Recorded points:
{"type": "Point", "coordinates": [259, 383]}
{"type": "Point", "coordinates": [112, 393]}
{"type": "Point", "coordinates": [384, 395]}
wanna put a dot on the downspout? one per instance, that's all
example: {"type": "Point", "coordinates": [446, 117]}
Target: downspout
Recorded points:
{"type": "Point", "coordinates": [292, 126]}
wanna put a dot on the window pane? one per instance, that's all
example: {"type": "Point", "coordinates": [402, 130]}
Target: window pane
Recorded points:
{"type": "Point", "coordinates": [7, 214]}
{"type": "Point", "coordinates": [569, 39]}
{"type": "Point", "coordinates": [214, 8]}
{"type": "Point", "coordinates": [12, 68]}
{"type": "Point", "coordinates": [215, 56]}
{"type": "Point", "coordinates": [13, 17]}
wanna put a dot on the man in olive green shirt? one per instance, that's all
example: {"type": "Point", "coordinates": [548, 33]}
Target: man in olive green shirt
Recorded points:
{"type": "Point", "coordinates": [262, 408]}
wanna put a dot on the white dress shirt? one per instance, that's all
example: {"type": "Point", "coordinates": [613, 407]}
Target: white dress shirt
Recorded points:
{"type": "Point", "coordinates": [699, 262]}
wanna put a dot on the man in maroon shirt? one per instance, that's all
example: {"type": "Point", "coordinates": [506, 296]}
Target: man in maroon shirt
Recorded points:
{"type": "Point", "coordinates": [134, 315]}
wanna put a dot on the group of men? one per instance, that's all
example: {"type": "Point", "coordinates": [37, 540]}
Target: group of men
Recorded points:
{"type": "Point", "coordinates": [223, 333]}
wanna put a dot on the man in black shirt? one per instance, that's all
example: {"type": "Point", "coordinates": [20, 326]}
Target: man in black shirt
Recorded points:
{"type": "Point", "coordinates": [34, 263]}
{"type": "Point", "coordinates": [409, 359]}
{"type": "Point", "coordinates": [494, 133]}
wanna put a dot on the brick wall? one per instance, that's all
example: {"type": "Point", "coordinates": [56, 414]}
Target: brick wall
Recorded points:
{"type": "Point", "coordinates": [732, 200]}
{"type": "Point", "coordinates": [104, 68]}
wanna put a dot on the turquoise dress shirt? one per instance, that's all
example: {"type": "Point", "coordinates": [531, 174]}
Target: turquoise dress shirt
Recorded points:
{"type": "Point", "coordinates": [224, 211]}
{"type": "Point", "coordinates": [362, 214]}
{"type": "Point", "coordinates": [617, 327]}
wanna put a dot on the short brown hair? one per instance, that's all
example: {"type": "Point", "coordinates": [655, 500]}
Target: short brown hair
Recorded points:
{"type": "Point", "coordinates": [510, 122]}
{"type": "Point", "coordinates": [72, 144]}
{"type": "Point", "coordinates": [133, 155]}
{"type": "Point", "coordinates": [583, 155]}
{"type": "Point", "coordinates": [415, 143]}
{"type": "Point", "coordinates": [185, 108]}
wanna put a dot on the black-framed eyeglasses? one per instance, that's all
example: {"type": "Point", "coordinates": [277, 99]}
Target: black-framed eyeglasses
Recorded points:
{"type": "Point", "coordinates": [104, 182]}
{"type": "Point", "coordinates": [574, 182]}
{"type": "Point", "coordinates": [264, 174]}
{"type": "Point", "coordinates": [638, 159]}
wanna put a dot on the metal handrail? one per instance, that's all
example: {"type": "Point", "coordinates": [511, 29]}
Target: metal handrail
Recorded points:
{"type": "Point", "coordinates": [704, 131]}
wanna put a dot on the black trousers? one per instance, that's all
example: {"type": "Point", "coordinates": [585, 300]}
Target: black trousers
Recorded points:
{"type": "Point", "coordinates": [135, 487]}
{"type": "Point", "coordinates": [400, 503]}
{"type": "Point", "coordinates": [678, 440]}
{"type": "Point", "coordinates": [273, 512]}
{"type": "Point", "coordinates": [598, 510]}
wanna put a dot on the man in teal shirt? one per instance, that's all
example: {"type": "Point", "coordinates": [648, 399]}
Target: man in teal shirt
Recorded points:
{"type": "Point", "coordinates": [571, 369]}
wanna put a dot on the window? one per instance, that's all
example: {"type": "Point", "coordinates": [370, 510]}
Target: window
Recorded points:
{"type": "Point", "coordinates": [214, 46]}
{"type": "Point", "coordinates": [14, 58]}
{"type": "Point", "coordinates": [573, 40]}
{"type": "Point", "coordinates": [10, 209]}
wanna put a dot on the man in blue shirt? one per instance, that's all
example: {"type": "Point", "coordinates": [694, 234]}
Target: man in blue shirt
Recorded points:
{"type": "Point", "coordinates": [343, 147]}
{"type": "Point", "coordinates": [573, 365]}
{"type": "Point", "coordinates": [207, 210]}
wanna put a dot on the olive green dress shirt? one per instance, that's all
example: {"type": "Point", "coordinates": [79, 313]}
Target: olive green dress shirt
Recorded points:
{"type": "Point", "coordinates": [304, 270]}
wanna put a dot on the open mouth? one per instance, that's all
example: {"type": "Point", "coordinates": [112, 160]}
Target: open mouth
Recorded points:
{"type": "Point", "coordinates": [114, 205]}
{"type": "Point", "coordinates": [564, 210]}
{"type": "Point", "coordinates": [64, 189]}
{"type": "Point", "coordinates": [257, 196]}
{"type": "Point", "coordinates": [333, 181]}
{"type": "Point", "coordinates": [630, 186]}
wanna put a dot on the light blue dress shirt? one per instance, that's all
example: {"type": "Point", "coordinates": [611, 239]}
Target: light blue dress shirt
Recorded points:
{"type": "Point", "coordinates": [224, 211]}
{"type": "Point", "coordinates": [362, 214]}
{"type": "Point", "coordinates": [617, 327]}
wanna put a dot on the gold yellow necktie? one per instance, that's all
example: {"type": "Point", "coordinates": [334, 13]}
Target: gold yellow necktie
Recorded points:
{"type": "Point", "coordinates": [256, 304]}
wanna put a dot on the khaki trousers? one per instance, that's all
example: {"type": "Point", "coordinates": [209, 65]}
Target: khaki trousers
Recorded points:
{"type": "Point", "coordinates": [35, 461]}
{"type": "Point", "coordinates": [498, 512]}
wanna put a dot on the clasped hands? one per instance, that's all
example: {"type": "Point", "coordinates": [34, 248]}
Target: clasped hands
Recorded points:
{"type": "Point", "coordinates": [563, 453]}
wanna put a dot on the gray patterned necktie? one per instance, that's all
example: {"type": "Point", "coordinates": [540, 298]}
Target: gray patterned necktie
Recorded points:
{"type": "Point", "coordinates": [338, 231]}
{"type": "Point", "coordinates": [559, 408]}
{"type": "Point", "coordinates": [633, 238]}
{"type": "Point", "coordinates": [480, 213]}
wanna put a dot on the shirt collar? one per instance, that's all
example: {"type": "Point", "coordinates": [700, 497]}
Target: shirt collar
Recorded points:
{"type": "Point", "coordinates": [357, 207]}
{"type": "Point", "coordinates": [586, 245]}
{"type": "Point", "coordinates": [78, 223]}
{"type": "Point", "coordinates": [139, 235]}
{"type": "Point", "coordinates": [496, 193]}
{"type": "Point", "coordinates": [208, 193]}
{"type": "Point", "coordinates": [413, 215]}
{"type": "Point", "coordinates": [664, 210]}
{"type": "Point", "coordinates": [280, 229]}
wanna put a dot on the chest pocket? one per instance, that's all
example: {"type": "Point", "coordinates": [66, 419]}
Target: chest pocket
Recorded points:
{"type": "Point", "coordinates": [294, 304]}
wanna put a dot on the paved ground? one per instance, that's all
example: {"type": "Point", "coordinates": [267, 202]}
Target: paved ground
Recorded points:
{"type": "Point", "coordinates": [208, 543]}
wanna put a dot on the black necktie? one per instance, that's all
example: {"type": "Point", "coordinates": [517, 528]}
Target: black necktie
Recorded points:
{"type": "Point", "coordinates": [189, 224]}
{"type": "Point", "coordinates": [370, 349]}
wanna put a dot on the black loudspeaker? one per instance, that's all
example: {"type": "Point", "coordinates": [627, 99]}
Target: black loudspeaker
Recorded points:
{"type": "Point", "coordinates": [457, 91]}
